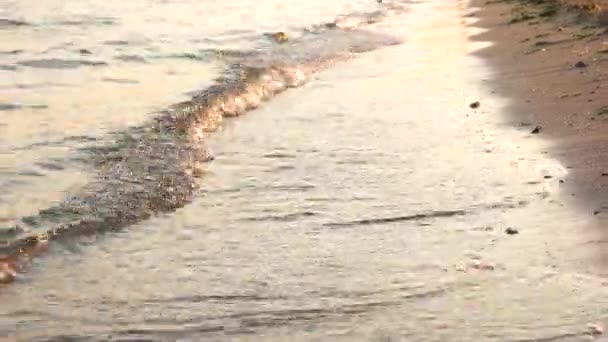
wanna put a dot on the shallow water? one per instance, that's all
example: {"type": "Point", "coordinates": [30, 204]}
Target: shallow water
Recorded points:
{"type": "Point", "coordinates": [364, 205]}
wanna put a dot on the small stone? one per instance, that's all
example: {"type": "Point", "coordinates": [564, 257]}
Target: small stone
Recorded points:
{"type": "Point", "coordinates": [580, 64]}
{"type": "Point", "coordinates": [604, 174]}
{"type": "Point", "coordinates": [475, 105]}
{"type": "Point", "coordinates": [84, 52]}
{"type": "Point", "coordinates": [596, 212]}
{"type": "Point", "coordinates": [511, 231]}
{"type": "Point", "coordinates": [561, 181]}
{"type": "Point", "coordinates": [536, 130]}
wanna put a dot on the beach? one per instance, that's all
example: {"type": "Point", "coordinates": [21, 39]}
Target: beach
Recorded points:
{"type": "Point", "coordinates": [556, 70]}
{"type": "Point", "coordinates": [314, 171]}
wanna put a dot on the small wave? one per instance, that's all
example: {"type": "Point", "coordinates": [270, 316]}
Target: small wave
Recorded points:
{"type": "Point", "coordinates": [131, 58]}
{"type": "Point", "coordinates": [117, 42]}
{"type": "Point", "coordinates": [209, 54]}
{"type": "Point", "coordinates": [120, 80]}
{"type": "Point", "coordinates": [12, 52]}
{"type": "Point", "coordinates": [392, 219]}
{"type": "Point", "coordinates": [85, 21]}
{"type": "Point", "coordinates": [247, 322]}
{"type": "Point", "coordinates": [31, 173]}
{"type": "Point", "coordinates": [187, 55]}
{"type": "Point", "coordinates": [9, 106]}
{"type": "Point", "coordinates": [282, 218]}
{"type": "Point", "coordinates": [8, 67]}
{"type": "Point", "coordinates": [59, 142]}
{"type": "Point", "coordinates": [56, 63]}
{"type": "Point", "coordinates": [56, 166]}
{"type": "Point", "coordinates": [15, 106]}
{"type": "Point", "coordinates": [278, 155]}
{"type": "Point", "coordinates": [430, 214]}
{"type": "Point", "coordinates": [557, 338]}
{"type": "Point", "coordinates": [5, 23]}
{"type": "Point", "coordinates": [222, 298]}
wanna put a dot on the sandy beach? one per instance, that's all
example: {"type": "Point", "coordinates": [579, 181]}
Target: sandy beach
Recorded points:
{"type": "Point", "coordinates": [378, 175]}
{"type": "Point", "coordinates": [553, 63]}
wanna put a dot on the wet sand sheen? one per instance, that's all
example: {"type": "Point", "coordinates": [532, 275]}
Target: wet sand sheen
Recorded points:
{"type": "Point", "coordinates": [376, 137]}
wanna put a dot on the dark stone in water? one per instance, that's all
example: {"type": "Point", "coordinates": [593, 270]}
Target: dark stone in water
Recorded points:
{"type": "Point", "coordinates": [56, 63]}
{"type": "Point", "coordinates": [536, 130]}
{"type": "Point", "coordinates": [475, 105]}
{"type": "Point", "coordinates": [511, 231]}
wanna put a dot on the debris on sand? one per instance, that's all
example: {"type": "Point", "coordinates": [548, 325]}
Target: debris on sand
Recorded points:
{"type": "Point", "coordinates": [475, 105]}
{"type": "Point", "coordinates": [480, 265]}
{"type": "Point", "coordinates": [8, 274]}
{"type": "Point", "coordinates": [536, 130]}
{"type": "Point", "coordinates": [580, 64]}
{"type": "Point", "coordinates": [511, 231]}
{"type": "Point", "coordinates": [595, 329]}
{"type": "Point", "coordinates": [279, 37]}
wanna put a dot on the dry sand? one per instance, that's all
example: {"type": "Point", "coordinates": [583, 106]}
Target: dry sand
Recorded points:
{"type": "Point", "coordinates": [555, 68]}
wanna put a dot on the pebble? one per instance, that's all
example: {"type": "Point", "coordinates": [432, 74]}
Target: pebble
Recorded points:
{"type": "Point", "coordinates": [580, 64]}
{"type": "Point", "coordinates": [511, 231]}
{"type": "Point", "coordinates": [475, 105]}
{"type": "Point", "coordinates": [536, 130]}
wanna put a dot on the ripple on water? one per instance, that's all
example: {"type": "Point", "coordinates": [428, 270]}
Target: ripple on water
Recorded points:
{"type": "Point", "coordinates": [12, 52]}
{"type": "Point", "coordinates": [281, 218]}
{"type": "Point", "coordinates": [88, 20]}
{"type": "Point", "coordinates": [8, 67]}
{"type": "Point", "coordinates": [14, 106]}
{"type": "Point", "coordinates": [8, 23]}
{"type": "Point", "coordinates": [119, 80]}
{"type": "Point", "coordinates": [130, 58]}
{"type": "Point", "coordinates": [58, 63]}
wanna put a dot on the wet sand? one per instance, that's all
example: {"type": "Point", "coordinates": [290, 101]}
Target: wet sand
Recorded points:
{"type": "Point", "coordinates": [554, 65]}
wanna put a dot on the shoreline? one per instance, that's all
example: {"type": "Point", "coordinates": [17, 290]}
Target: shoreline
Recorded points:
{"type": "Point", "coordinates": [555, 71]}
{"type": "Point", "coordinates": [153, 168]}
